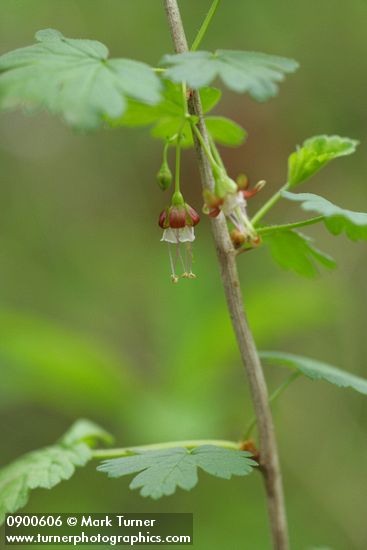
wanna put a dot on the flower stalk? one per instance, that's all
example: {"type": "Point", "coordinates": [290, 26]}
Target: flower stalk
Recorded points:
{"type": "Point", "coordinates": [178, 165]}
{"type": "Point", "coordinates": [269, 205]}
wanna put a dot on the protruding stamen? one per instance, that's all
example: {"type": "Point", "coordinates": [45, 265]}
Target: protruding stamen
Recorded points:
{"type": "Point", "coordinates": [248, 194]}
{"type": "Point", "coordinates": [179, 255]}
{"type": "Point", "coordinates": [173, 265]}
{"type": "Point", "coordinates": [188, 251]}
{"type": "Point", "coordinates": [236, 223]}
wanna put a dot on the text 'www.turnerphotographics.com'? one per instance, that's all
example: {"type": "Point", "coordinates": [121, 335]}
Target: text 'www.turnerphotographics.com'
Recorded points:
{"type": "Point", "coordinates": [110, 529]}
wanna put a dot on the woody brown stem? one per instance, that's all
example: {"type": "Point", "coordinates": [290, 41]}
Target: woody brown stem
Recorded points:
{"type": "Point", "coordinates": [269, 460]}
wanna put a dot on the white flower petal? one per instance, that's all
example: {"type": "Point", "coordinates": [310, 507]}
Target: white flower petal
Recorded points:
{"type": "Point", "coordinates": [186, 234]}
{"type": "Point", "coordinates": [170, 236]}
{"type": "Point", "coordinates": [181, 235]}
{"type": "Point", "coordinates": [233, 201]}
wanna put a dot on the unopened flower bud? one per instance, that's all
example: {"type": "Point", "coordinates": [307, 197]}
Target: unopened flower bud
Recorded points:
{"type": "Point", "coordinates": [164, 177]}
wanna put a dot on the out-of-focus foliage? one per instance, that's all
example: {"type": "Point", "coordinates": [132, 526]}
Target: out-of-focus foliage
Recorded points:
{"type": "Point", "coordinates": [170, 107]}
{"type": "Point", "coordinates": [252, 72]}
{"type": "Point", "coordinates": [47, 467]}
{"type": "Point", "coordinates": [42, 362]}
{"type": "Point", "coordinates": [337, 219]}
{"type": "Point", "coordinates": [316, 370]}
{"type": "Point", "coordinates": [74, 78]}
{"type": "Point", "coordinates": [80, 250]}
{"type": "Point", "coordinates": [169, 117]}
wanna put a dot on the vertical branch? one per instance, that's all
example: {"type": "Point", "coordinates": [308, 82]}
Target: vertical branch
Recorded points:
{"type": "Point", "coordinates": [269, 460]}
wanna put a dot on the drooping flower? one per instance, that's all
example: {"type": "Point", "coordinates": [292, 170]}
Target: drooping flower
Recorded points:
{"type": "Point", "coordinates": [231, 198]}
{"type": "Point", "coordinates": [234, 207]}
{"type": "Point", "coordinates": [178, 221]}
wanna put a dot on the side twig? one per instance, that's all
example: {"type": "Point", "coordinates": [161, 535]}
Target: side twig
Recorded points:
{"type": "Point", "coordinates": [269, 460]}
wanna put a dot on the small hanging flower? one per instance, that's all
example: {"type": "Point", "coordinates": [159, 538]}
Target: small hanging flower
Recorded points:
{"type": "Point", "coordinates": [178, 222]}
{"type": "Point", "coordinates": [231, 198]}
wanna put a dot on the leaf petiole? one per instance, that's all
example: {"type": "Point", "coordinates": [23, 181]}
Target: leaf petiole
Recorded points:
{"type": "Point", "coordinates": [165, 151]}
{"type": "Point", "coordinates": [190, 444]}
{"type": "Point", "coordinates": [266, 230]}
{"type": "Point", "coordinates": [178, 164]}
{"type": "Point", "coordinates": [204, 27]}
{"type": "Point", "coordinates": [215, 152]}
{"type": "Point", "coordinates": [179, 138]}
{"type": "Point", "coordinates": [272, 399]}
{"type": "Point", "coordinates": [205, 147]}
{"type": "Point", "coordinates": [269, 204]}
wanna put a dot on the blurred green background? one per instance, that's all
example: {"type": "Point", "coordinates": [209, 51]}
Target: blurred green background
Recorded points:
{"type": "Point", "coordinates": [90, 324]}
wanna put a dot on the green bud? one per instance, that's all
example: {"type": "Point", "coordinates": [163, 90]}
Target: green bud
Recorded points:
{"type": "Point", "coordinates": [164, 177]}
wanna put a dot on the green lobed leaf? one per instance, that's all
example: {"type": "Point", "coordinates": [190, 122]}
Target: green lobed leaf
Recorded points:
{"type": "Point", "coordinates": [336, 219]}
{"type": "Point", "coordinates": [47, 467]}
{"type": "Point", "coordinates": [136, 114]}
{"type": "Point", "coordinates": [167, 128]}
{"type": "Point", "coordinates": [161, 472]}
{"type": "Point", "coordinates": [170, 107]}
{"type": "Point", "coordinates": [225, 131]}
{"type": "Point", "coordinates": [315, 153]}
{"type": "Point", "coordinates": [294, 251]}
{"type": "Point", "coordinates": [210, 97]}
{"type": "Point", "coordinates": [73, 78]}
{"type": "Point", "coordinates": [168, 117]}
{"type": "Point", "coordinates": [252, 72]}
{"type": "Point", "coordinates": [316, 370]}
{"type": "Point", "coordinates": [222, 130]}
